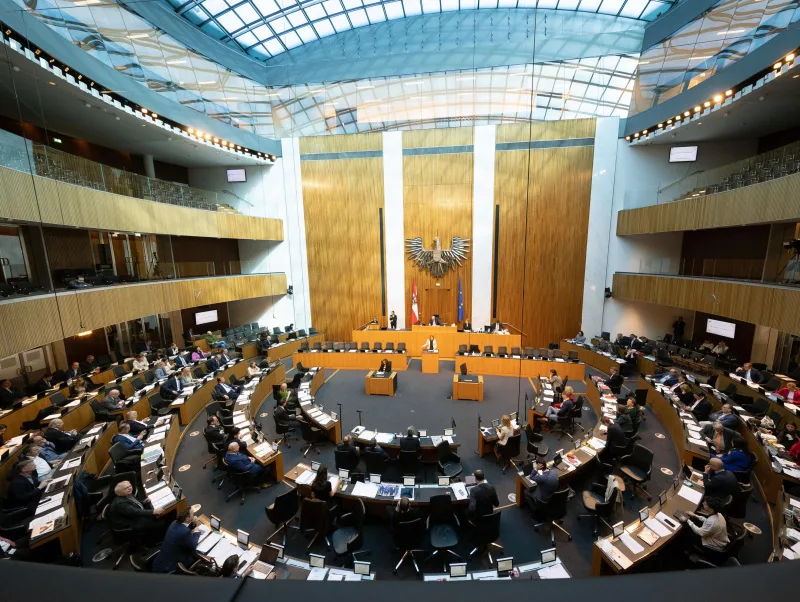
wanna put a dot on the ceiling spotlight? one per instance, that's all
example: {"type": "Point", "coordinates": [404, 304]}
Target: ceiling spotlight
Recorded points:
{"type": "Point", "coordinates": [644, 132]}
{"type": "Point", "coordinates": [686, 114]}
{"type": "Point", "coordinates": [728, 92]}
{"type": "Point", "coordinates": [216, 139]}
{"type": "Point", "coordinates": [636, 135]}
{"type": "Point", "coordinates": [776, 66]}
{"type": "Point", "coordinates": [144, 110]}
{"type": "Point", "coordinates": [697, 109]}
{"type": "Point", "coordinates": [38, 52]}
{"type": "Point", "coordinates": [707, 104]}
{"type": "Point", "coordinates": [628, 138]}
{"type": "Point", "coordinates": [80, 77]}
{"type": "Point", "coordinates": [238, 147]}
{"type": "Point", "coordinates": [208, 136]}
{"type": "Point", "coordinates": [660, 125]}
{"type": "Point", "coordinates": [190, 130]}
{"type": "Point", "coordinates": [789, 58]}
{"type": "Point", "coordinates": [718, 98]}
{"type": "Point", "coordinates": [669, 121]}
{"type": "Point", "coordinates": [155, 115]}
{"type": "Point", "coordinates": [66, 69]}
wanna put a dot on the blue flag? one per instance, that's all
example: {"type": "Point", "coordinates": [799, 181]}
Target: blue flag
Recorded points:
{"type": "Point", "coordinates": [460, 302]}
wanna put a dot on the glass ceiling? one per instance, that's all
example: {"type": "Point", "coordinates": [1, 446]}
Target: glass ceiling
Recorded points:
{"type": "Point", "coordinates": [265, 28]}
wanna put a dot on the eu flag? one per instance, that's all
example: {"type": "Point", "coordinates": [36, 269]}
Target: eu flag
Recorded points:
{"type": "Point", "coordinates": [460, 302]}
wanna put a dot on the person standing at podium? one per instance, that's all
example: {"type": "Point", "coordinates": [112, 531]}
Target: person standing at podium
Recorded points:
{"type": "Point", "coordinates": [393, 320]}
{"type": "Point", "coordinates": [385, 364]}
{"type": "Point", "coordinates": [430, 344]}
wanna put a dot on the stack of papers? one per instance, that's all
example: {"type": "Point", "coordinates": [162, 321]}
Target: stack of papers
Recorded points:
{"type": "Point", "coordinates": [459, 490]}
{"type": "Point", "coordinates": [72, 463]}
{"type": "Point", "coordinates": [631, 543]}
{"type": "Point", "coordinates": [208, 542]}
{"type": "Point", "coordinates": [368, 490]}
{"type": "Point", "coordinates": [306, 478]}
{"type": "Point", "coordinates": [384, 437]}
{"type": "Point", "coordinates": [597, 444]}
{"type": "Point", "coordinates": [656, 527]}
{"type": "Point", "coordinates": [556, 571]}
{"type": "Point", "coordinates": [45, 524]}
{"type": "Point", "coordinates": [162, 498]}
{"type": "Point", "coordinates": [617, 556]}
{"type": "Point", "coordinates": [50, 502]}
{"type": "Point", "coordinates": [690, 494]}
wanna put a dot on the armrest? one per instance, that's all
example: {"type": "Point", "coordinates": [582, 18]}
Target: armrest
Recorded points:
{"type": "Point", "coordinates": [599, 488]}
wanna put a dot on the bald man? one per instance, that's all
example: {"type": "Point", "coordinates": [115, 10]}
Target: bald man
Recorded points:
{"type": "Point", "coordinates": [719, 482]}
{"type": "Point", "coordinates": [244, 464]}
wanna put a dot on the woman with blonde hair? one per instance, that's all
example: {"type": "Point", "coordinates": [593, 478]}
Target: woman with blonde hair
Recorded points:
{"type": "Point", "coordinates": [504, 431]}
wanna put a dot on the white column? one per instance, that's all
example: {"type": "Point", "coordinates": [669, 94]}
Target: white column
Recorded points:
{"type": "Point", "coordinates": [597, 241]}
{"type": "Point", "coordinates": [295, 233]}
{"type": "Point", "coordinates": [394, 225]}
{"type": "Point", "coordinates": [482, 248]}
{"type": "Point", "coordinates": [149, 166]}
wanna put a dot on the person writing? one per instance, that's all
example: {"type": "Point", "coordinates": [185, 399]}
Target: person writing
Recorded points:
{"type": "Point", "coordinates": [384, 365]}
{"type": "Point", "coordinates": [430, 344]}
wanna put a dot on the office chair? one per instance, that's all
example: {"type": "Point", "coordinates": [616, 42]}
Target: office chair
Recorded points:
{"type": "Point", "coordinates": [328, 346]}
{"type": "Point", "coordinates": [377, 347]}
{"type": "Point", "coordinates": [390, 347]}
{"type": "Point", "coordinates": [409, 462]}
{"type": "Point", "coordinates": [745, 476]}
{"type": "Point", "coordinates": [555, 510]}
{"type": "Point", "coordinates": [572, 355]}
{"type": "Point", "coordinates": [563, 426]}
{"type": "Point", "coordinates": [408, 537]}
{"type": "Point", "coordinates": [488, 351]}
{"type": "Point", "coordinates": [295, 383]}
{"type": "Point", "coordinates": [462, 350]}
{"type": "Point", "coordinates": [401, 347]}
{"type": "Point", "coordinates": [376, 462]}
{"type": "Point", "coordinates": [712, 557]}
{"type": "Point", "coordinates": [242, 481]}
{"type": "Point", "coordinates": [143, 562]}
{"type": "Point", "coordinates": [442, 525]}
{"type": "Point", "coordinates": [365, 347]}
{"type": "Point", "coordinates": [349, 534]}
{"type": "Point", "coordinates": [486, 534]}
{"type": "Point", "coordinates": [600, 508]}
{"type": "Point", "coordinates": [637, 467]}
{"type": "Point", "coordinates": [556, 354]}
{"type": "Point", "coordinates": [530, 352]}
{"type": "Point", "coordinates": [123, 460]}
{"type": "Point", "coordinates": [449, 462]}
{"type": "Point", "coordinates": [301, 369]}
{"type": "Point", "coordinates": [282, 513]}
{"type": "Point", "coordinates": [510, 450]}
{"type": "Point", "coordinates": [516, 352]}
{"type": "Point", "coordinates": [738, 506]}
{"type": "Point", "coordinates": [284, 429]}
{"type": "Point", "coordinates": [314, 517]}
{"type": "Point", "coordinates": [344, 460]}
{"type": "Point", "coordinates": [125, 538]}
{"type": "Point", "coordinates": [311, 436]}
{"type": "Point", "coordinates": [502, 351]}
{"type": "Point", "coordinates": [576, 414]}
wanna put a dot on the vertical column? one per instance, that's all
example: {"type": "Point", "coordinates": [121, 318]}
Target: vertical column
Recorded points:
{"type": "Point", "coordinates": [295, 233]}
{"type": "Point", "coordinates": [482, 249]}
{"type": "Point", "coordinates": [149, 167]}
{"type": "Point", "coordinates": [600, 210]}
{"type": "Point", "coordinates": [394, 225]}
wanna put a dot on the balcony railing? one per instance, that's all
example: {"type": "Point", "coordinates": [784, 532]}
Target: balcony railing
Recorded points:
{"type": "Point", "coordinates": [753, 270]}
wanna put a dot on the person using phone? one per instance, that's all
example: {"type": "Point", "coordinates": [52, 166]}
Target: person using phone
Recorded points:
{"type": "Point", "coordinates": [179, 544]}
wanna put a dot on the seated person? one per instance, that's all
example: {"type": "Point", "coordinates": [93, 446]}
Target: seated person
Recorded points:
{"type": "Point", "coordinates": [384, 367]}
{"type": "Point", "coordinates": [179, 543]}
{"type": "Point", "coordinates": [749, 373]}
{"type": "Point", "coordinates": [234, 437]}
{"type": "Point", "coordinates": [113, 400]}
{"type": "Point", "coordinates": [78, 388]}
{"type": "Point", "coordinates": [252, 370]}
{"type": "Point", "coordinates": [241, 463]}
{"type": "Point", "coordinates": [603, 345]}
{"type": "Point", "coordinates": [667, 378]}
{"type": "Point", "coordinates": [8, 394]}
{"type": "Point", "coordinates": [467, 325]}
{"type": "Point", "coordinates": [78, 283]}
{"type": "Point", "coordinates": [44, 384]}
{"type": "Point", "coordinates": [616, 440]}
{"type": "Point", "coordinates": [127, 512]}
{"type": "Point", "coordinates": [140, 362]}
{"type": "Point", "coordinates": [707, 346]}
{"type": "Point", "coordinates": [136, 425]}
{"type": "Point", "coordinates": [43, 468]}
{"type": "Point", "coordinates": [402, 512]}
{"type": "Point", "coordinates": [173, 350]}
{"type": "Point", "coordinates": [685, 395]}
{"type": "Point", "coordinates": [410, 442]}
{"type": "Point", "coordinates": [186, 378]}
{"type": "Point", "coordinates": [682, 380]}
{"type": "Point", "coordinates": [375, 448]}
{"type": "Point", "coordinates": [700, 407]}
{"type": "Point", "coordinates": [637, 342]}
{"type": "Point", "coordinates": [497, 326]}
{"type": "Point", "coordinates": [632, 408]}
{"type": "Point", "coordinates": [213, 431]}
{"type": "Point", "coordinates": [718, 437]}
{"type": "Point", "coordinates": [738, 459]}
{"type": "Point", "coordinates": [90, 365]}
{"type": "Point", "coordinates": [794, 452]}
{"type": "Point", "coordinates": [162, 369]}
{"type": "Point", "coordinates": [198, 354]}
{"type": "Point", "coordinates": [76, 372]}
{"type": "Point", "coordinates": [46, 449]}
{"type": "Point", "coordinates": [223, 358]}
{"type": "Point", "coordinates": [546, 481]}
{"type": "Point", "coordinates": [788, 436]}
{"type": "Point", "coordinates": [181, 361]}
{"type": "Point", "coordinates": [720, 349]}
{"type": "Point", "coordinates": [127, 440]}
{"type": "Point", "coordinates": [719, 482]}
{"type": "Point", "coordinates": [559, 410]}
{"type": "Point", "coordinates": [614, 380]}
{"type": "Point", "coordinates": [321, 488]}
{"type": "Point", "coordinates": [790, 393]}
{"type": "Point", "coordinates": [24, 487]}
{"type": "Point", "coordinates": [555, 380]}
{"type": "Point", "coordinates": [580, 338]}
{"type": "Point", "coordinates": [623, 418]}
{"type": "Point", "coordinates": [482, 498]}
{"type": "Point", "coordinates": [726, 417]}
{"type": "Point", "coordinates": [352, 450]}
{"type": "Point", "coordinates": [504, 431]}
{"type": "Point", "coordinates": [283, 416]}
{"type": "Point", "coordinates": [224, 391]}
{"type": "Point", "coordinates": [434, 321]}
{"type": "Point", "coordinates": [173, 386]}
{"type": "Point", "coordinates": [62, 440]}
{"type": "Point", "coordinates": [712, 531]}
{"type": "Point", "coordinates": [214, 363]}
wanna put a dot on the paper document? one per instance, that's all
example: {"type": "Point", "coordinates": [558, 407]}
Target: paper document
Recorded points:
{"type": "Point", "coordinates": [617, 556]}
{"type": "Point", "coordinates": [306, 478]}
{"type": "Point", "coordinates": [209, 542]}
{"type": "Point", "coordinates": [699, 442]}
{"type": "Point", "coordinates": [631, 543]}
{"type": "Point", "coordinates": [690, 494]}
{"type": "Point", "coordinates": [557, 571]}
{"type": "Point", "coordinates": [459, 490]}
{"type": "Point", "coordinates": [656, 527]}
{"type": "Point", "coordinates": [317, 574]}
{"type": "Point", "coordinates": [672, 523]}
{"type": "Point", "coordinates": [369, 490]}
{"type": "Point", "coordinates": [72, 463]}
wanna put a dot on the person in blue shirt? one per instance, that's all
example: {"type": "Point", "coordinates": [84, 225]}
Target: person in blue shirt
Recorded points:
{"type": "Point", "coordinates": [726, 417]}
{"type": "Point", "coordinates": [47, 450]}
{"type": "Point", "coordinates": [179, 544]}
{"type": "Point", "coordinates": [667, 378]}
{"type": "Point", "coordinates": [124, 437]}
{"type": "Point", "coordinates": [739, 458]}
{"type": "Point", "coordinates": [374, 447]}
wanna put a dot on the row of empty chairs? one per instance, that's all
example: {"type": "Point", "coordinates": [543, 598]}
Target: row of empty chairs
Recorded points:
{"type": "Point", "coordinates": [331, 347]}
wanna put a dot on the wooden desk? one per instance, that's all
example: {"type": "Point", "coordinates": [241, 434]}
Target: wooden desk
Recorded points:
{"type": "Point", "coordinates": [14, 419]}
{"type": "Point", "coordinates": [427, 448]}
{"type": "Point", "coordinates": [523, 368]}
{"type": "Point", "coordinates": [434, 330]}
{"type": "Point", "coordinates": [486, 443]}
{"type": "Point", "coordinates": [588, 356]}
{"type": "Point", "coordinates": [468, 390]}
{"type": "Point", "coordinates": [646, 365]}
{"type": "Point", "coordinates": [347, 360]}
{"type": "Point", "coordinates": [447, 338]}
{"type": "Point", "coordinates": [274, 461]}
{"type": "Point", "coordinates": [283, 350]}
{"type": "Point", "coordinates": [333, 429]}
{"type": "Point", "coordinates": [430, 363]}
{"type": "Point", "coordinates": [378, 385]}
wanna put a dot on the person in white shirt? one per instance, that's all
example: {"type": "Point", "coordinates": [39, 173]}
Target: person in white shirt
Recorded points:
{"type": "Point", "coordinates": [173, 350]}
{"type": "Point", "coordinates": [430, 344]}
{"type": "Point", "coordinates": [713, 530]}
{"type": "Point", "coordinates": [253, 370]}
{"type": "Point", "coordinates": [43, 468]}
{"type": "Point", "coordinates": [720, 349]}
{"type": "Point", "coordinates": [140, 363]}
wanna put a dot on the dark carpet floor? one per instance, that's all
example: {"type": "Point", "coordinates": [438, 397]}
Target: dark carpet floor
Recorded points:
{"type": "Point", "coordinates": [423, 401]}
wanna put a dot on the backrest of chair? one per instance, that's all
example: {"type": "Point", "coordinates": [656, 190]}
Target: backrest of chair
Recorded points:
{"type": "Point", "coordinates": [401, 346]}
{"type": "Point", "coordinates": [409, 535]}
{"type": "Point", "coordinates": [502, 350]}
{"type": "Point", "coordinates": [117, 452]}
{"type": "Point", "coordinates": [462, 348]}
{"type": "Point", "coordinates": [390, 346]}
{"type": "Point", "coordinates": [286, 506]}
{"type": "Point", "coordinates": [443, 451]}
{"type": "Point", "coordinates": [487, 527]}
{"type": "Point", "coordinates": [409, 462]}
{"type": "Point", "coordinates": [606, 508]}
{"type": "Point", "coordinates": [329, 345]}
{"type": "Point", "coordinates": [557, 506]}
{"type": "Point", "coordinates": [305, 429]}
{"type": "Point", "coordinates": [344, 459]}
{"type": "Point", "coordinates": [558, 353]}
{"type": "Point", "coordinates": [365, 345]}
{"type": "Point", "coordinates": [376, 463]}
{"type": "Point", "coordinates": [441, 510]}
{"type": "Point", "coordinates": [516, 351]}
{"type": "Point", "coordinates": [314, 515]}
{"type": "Point", "coordinates": [377, 345]}
{"type": "Point", "coordinates": [512, 446]}
{"type": "Point", "coordinates": [488, 349]}
{"type": "Point", "coordinates": [530, 352]}
{"type": "Point", "coordinates": [642, 457]}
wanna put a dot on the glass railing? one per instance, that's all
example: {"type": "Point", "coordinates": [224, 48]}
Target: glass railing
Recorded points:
{"type": "Point", "coordinates": [786, 272]}
{"type": "Point", "coordinates": [48, 162]}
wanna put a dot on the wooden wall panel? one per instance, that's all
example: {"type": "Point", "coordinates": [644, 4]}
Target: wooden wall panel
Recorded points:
{"type": "Point", "coordinates": [29, 323]}
{"type": "Point", "coordinates": [544, 197]}
{"type": "Point", "coordinates": [438, 137]}
{"type": "Point", "coordinates": [60, 204]}
{"type": "Point", "coordinates": [772, 306]}
{"type": "Point", "coordinates": [341, 144]}
{"type": "Point", "coordinates": [341, 200]}
{"type": "Point", "coordinates": [68, 248]}
{"type": "Point", "coordinates": [768, 202]}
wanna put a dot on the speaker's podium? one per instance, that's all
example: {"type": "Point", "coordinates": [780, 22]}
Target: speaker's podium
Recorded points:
{"type": "Point", "coordinates": [430, 362]}
{"type": "Point", "coordinates": [468, 386]}
{"type": "Point", "coordinates": [381, 383]}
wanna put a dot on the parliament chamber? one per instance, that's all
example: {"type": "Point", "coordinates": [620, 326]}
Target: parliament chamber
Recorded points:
{"type": "Point", "coordinates": [399, 291]}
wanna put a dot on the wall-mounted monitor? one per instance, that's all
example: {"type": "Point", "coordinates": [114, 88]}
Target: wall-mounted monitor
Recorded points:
{"type": "Point", "coordinates": [682, 154]}
{"type": "Point", "coordinates": [723, 329]}
{"type": "Point", "coordinates": [205, 317]}
{"type": "Point", "coordinates": [236, 175]}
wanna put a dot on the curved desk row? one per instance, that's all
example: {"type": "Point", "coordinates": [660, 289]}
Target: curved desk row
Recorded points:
{"type": "Point", "coordinates": [326, 421]}
{"type": "Point", "coordinates": [447, 340]}
{"type": "Point", "coordinates": [285, 349]}
{"type": "Point", "coordinates": [515, 366]}
{"type": "Point", "coordinates": [596, 359]}
{"type": "Point", "coordinates": [350, 360]}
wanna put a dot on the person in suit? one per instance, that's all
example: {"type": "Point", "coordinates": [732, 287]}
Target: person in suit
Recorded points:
{"type": "Point", "coordinates": [347, 446]}
{"type": "Point", "coordinates": [637, 342]}
{"type": "Point", "coordinates": [213, 431]}
{"type": "Point", "coordinates": [482, 498]}
{"type": "Point", "coordinates": [181, 361]}
{"type": "Point", "coordinates": [78, 388]}
{"type": "Point", "coordinates": [3, 429]}
{"type": "Point", "coordinates": [8, 395]}
{"type": "Point", "coordinates": [749, 373]}
{"type": "Point", "coordinates": [74, 371]}
{"type": "Point", "coordinates": [44, 384]}
{"type": "Point", "coordinates": [667, 378]}
{"type": "Point", "coordinates": [614, 380]}
{"type": "Point", "coordinates": [497, 326]}
{"type": "Point", "coordinates": [374, 447]}
{"type": "Point", "coordinates": [385, 365]}
{"type": "Point", "coordinates": [726, 417]}
{"type": "Point", "coordinates": [434, 321]}
{"type": "Point", "coordinates": [402, 512]}
{"type": "Point", "coordinates": [62, 440]}
{"type": "Point", "coordinates": [685, 395]}
{"type": "Point", "coordinates": [546, 485]}
{"type": "Point", "coordinates": [78, 283]}
{"type": "Point", "coordinates": [718, 437]}
{"type": "Point", "coordinates": [717, 481]}
{"type": "Point", "coordinates": [623, 419]}
{"type": "Point", "coordinates": [173, 386]}
{"type": "Point", "coordinates": [410, 442]}
{"type": "Point", "coordinates": [128, 441]}
{"type": "Point", "coordinates": [615, 439]}
{"type": "Point", "coordinates": [239, 462]}
{"type": "Point", "coordinates": [430, 344]}
{"type": "Point", "coordinates": [214, 363]}
{"type": "Point", "coordinates": [113, 400]}
{"type": "Point", "coordinates": [603, 345]}
{"type": "Point", "coordinates": [162, 369]}
{"type": "Point", "coordinates": [127, 512]}
{"type": "Point", "coordinates": [136, 425]}
{"type": "Point", "coordinates": [556, 411]}
{"type": "Point", "coordinates": [393, 320]}
{"type": "Point", "coordinates": [24, 487]}
{"type": "Point", "coordinates": [90, 365]}
{"type": "Point", "coordinates": [224, 390]}
{"type": "Point", "coordinates": [282, 415]}
{"type": "Point", "coordinates": [234, 437]}
{"type": "Point", "coordinates": [701, 408]}
{"type": "Point", "coordinates": [198, 354]}
{"type": "Point", "coordinates": [678, 328]}
{"type": "Point", "coordinates": [224, 358]}
{"type": "Point", "coordinates": [467, 327]}
{"type": "Point", "coordinates": [580, 338]}
{"type": "Point", "coordinates": [179, 543]}
{"type": "Point", "coordinates": [739, 458]}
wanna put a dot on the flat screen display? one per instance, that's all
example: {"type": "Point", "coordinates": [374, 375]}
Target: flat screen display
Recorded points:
{"type": "Point", "coordinates": [682, 154]}
{"type": "Point", "coordinates": [236, 175]}
{"type": "Point", "coordinates": [723, 329]}
{"type": "Point", "coordinates": [205, 317]}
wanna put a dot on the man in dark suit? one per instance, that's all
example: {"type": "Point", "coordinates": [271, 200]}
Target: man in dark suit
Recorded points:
{"type": "Point", "coordinates": [179, 543]}
{"type": "Point", "coordinates": [434, 321]}
{"type": "Point", "coordinates": [623, 418]}
{"type": "Point", "coordinates": [234, 438]}
{"type": "Point", "coordinates": [24, 488]}
{"type": "Point", "coordinates": [393, 320]}
{"type": "Point", "coordinates": [749, 373]}
{"type": "Point", "coordinates": [62, 440]}
{"type": "Point", "coordinates": [130, 442]}
{"type": "Point", "coordinates": [410, 442]}
{"type": "Point", "coordinates": [701, 408]}
{"type": "Point", "coordinates": [467, 325]}
{"type": "Point", "coordinates": [136, 425]}
{"type": "Point", "coordinates": [482, 498]}
{"type": "Point", "coordinates": [546, 485]}
{"type": "Point", "coordinates": [224, 358]}
{"type": "Point", "coordinates": [719, 482]}
{"type": "Point", "coordinates": [614, 381]}
{"type": "Point", "coordinates": [726, 417]}
{"type": "Point", "coordinates": [8, 394]}
{"type": "Point", "coordinates": [282, 415]}
{"type": "Point", "coordinates": [213, 431]}
{"type": "Point", "coordinates": [347, 446]}
{"type": "Point", "coordinates": [214, 363]}
{"type": "Point", "coordinates": [172, 388]}
{"type": "Point", "coordinates": [718, 437]}
{"type": "Point", "coordinates": [553, 413]}
{"type": "Point", "coordinates": [75, 372]}
{"type": "Point", "coordinates": [126, 512]}
{"type": "Point", "coordinates": [239, 462]}
{"type": "Point", "coordinates": [113, 400]}
{"type": "Point", "coordinates": [224, 391]}
{"type": "Point", "coordinates": [497, 325]}
{"type": "Point", "coordinates": [181, 361]}
{"type": "Point", "coordinates": [667, 378]}
{"type": "Point", "coordinates": [615, 440]}
{"type": "Point", "coordinates": [44, 384]}
{"type": "Point", "coordinates": [90, 366]}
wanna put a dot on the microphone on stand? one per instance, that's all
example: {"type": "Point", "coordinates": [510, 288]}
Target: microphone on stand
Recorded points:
{"type": "Point", "coordinates": [340, 417]}
{"type": "Point", "coordinates": [476, 452]}
{"type": "Point", "coordinates": [359, 417]}
{"type": "Point", "coordinates": [452, 422]}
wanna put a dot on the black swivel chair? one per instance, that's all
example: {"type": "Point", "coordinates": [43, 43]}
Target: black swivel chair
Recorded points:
{"type": "Point", "coordinates": [442, 525]}
{"type": "Point", "coordinates": [509, 451]}
{"type": "Point", "coordinates": [529, 352]}
{"type": "Point", "coordinates": [488, 351]}
{"type": "Point", "coordinates": [637, 467]}
{"type": "Point", "coordinates": [602, 510]}
{"type": "Point", "coordinates": [502, 351]}
{"type": "Point", "coordinates": [408, 537]}
{"type": "Point", "coordinates": [555, 510]}
{"type": "Point", "coordinates": [345, 460]}
{"type": "Point", "coordinates": [486, 534]}
{"type": "Point", "coordinates": [124, 460]}
{"type": "Point", "coordinates": [449, 461]}
{"type": "Point", "coordinates": [315, 518]}
{"type": "Point", "coordinates": [516, 352]}
{"type": "Point", "coordinates": [282, 513]}
{"type": "Point", "coordinates": [349, 534]}
{"type": "Point", "coordinates": [376, 462]}
{"type": "Point", "coordinates": [312, 436]}
{"type": "Point", "coordinates": [284, 429]}
{"type": "Point", "coordinates": [401, 347]}
{"type": "Point", "coordinates": [462, 350]}
{"type": "Point", "coordinates": [537, 438]}
{"type": "Point", "coordinates": [242, 482]}
{"type": "Point", "coordinates": [409, 462]}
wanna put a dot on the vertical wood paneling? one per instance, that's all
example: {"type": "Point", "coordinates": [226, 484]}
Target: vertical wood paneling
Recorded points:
{"type": "Point", "coordinates": [437, 201]}
{"type": "Point", "coordinates": [340, 144]}
{"type": "Point", "coordinates": [341, 199]}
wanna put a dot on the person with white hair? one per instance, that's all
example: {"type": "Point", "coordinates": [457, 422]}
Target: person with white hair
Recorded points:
{"type": "Point", "coordinates": [43, 469]}
{"type": "Point", "coordinates": [62, 440]}
{"type": "Point", "coordinates": [127, 512]}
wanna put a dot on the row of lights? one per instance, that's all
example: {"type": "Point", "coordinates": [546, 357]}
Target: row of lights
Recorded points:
{"type": "Point", "coordinates": [192, 132]}
{"type": "Point", "coordinates": [715, 100]}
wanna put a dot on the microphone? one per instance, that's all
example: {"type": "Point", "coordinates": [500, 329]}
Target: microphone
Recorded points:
{"type": "Point", "coordinates": [452, 422]}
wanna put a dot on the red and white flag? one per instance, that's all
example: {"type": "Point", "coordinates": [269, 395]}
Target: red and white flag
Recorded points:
{"type": "Point", "coordinates": [414, 306]}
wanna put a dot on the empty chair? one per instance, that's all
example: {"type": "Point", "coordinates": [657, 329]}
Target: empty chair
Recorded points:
{"type": "Point", "coordinates": [318, 346]}
{"type": "Point", "coordinates": [312, 436]}
{"type": "Point", "coordinates": [554, 511]}
{"type": "Point", "coordinates": [301, 333]}
{"type": "Point", "coordinates": [442, 525]}
{"type": "Point", "coordinates": [573, 355]}
{"type": "Point", "coordinates": [243, 482]}
{"type": "Point", "coordinates": [409, 462]}
{"type": "Point", "coordinates": [315, 518]}
{"type": "Point", "coordinates": [408, 537]}
{"type": "Point", "coordinates": [365, 347]}
{"type": "Point", "coordinates": [401, 347]}
{"type": "Point", "coordinates": [282, 512]}
{"type": "Point", "coordinates": [502, 351]}
{"type": "Point", "coordinates": [389, 346]}
{"type": "Point", "coordinates": [462, 350]}
{"type": "Point", "coordinates": [349, 534]}
{"type": "Point", "coordinates": [328, 346]}
{"type": "Point", "coordinates": [601, 502]}
{"type": "Point", "coordinates": [376, 462]}
{"type": "Point", "coordinates": [637, 467]}
{"type": "Point", "coordinates": [516, 352]}
{"type": "Point", "coordinates": [508, 451]}
{"type": "Point", "coordinates": [530, 352]}
{"type": "Point", "coordinates": [338, 347]}
{"type": "Point", "coordinates": [377, 347]}
{"type": "Point", "coordinates": [545, 353]}
{"type": "Point", "coordinates": [449, 461]}
{"type": "Point", "coordinates": [488, 351]}
{"type": "Point", "coordinates": [486, 534]}
{"type": "Point", "coordinates": [556, 353]}
{"type": "Point", "coordinates": [345, 460]}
